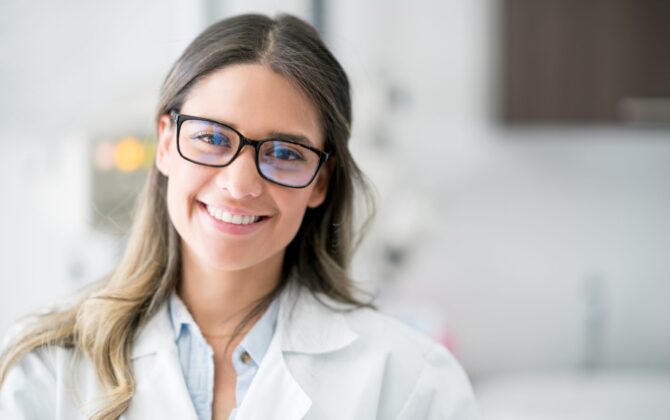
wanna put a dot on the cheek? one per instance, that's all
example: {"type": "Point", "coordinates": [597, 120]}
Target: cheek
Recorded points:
{"type": "Point", "coordinates": [181, 191]}
{"type": "Point", "coordinates": [175, 206]}
{"type": "Point", "coordinates": [292, 207]}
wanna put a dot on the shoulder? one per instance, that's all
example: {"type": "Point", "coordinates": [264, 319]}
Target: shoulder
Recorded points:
{"type": "Point", "coordinates": [38, 384]}
{"type": "Point", "coordinates": [42, 358]}
{"type": "Point", "coordinates": [428, 379]}
{"type": "Point", "coordinates": [387, 334]}
{"type": "Point", "coordinates": [366, 329]}
{"type": "Point", "coordinates": [29, 383]}
{"type": "Point", "coordinates": [413, 376]}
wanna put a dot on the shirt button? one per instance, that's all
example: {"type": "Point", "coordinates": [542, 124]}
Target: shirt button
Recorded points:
{"type": "Point", "coordinates": [245, 358]}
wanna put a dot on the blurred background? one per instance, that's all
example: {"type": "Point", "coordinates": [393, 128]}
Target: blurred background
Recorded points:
{"type": "Point", "coordinates": [520, 150]}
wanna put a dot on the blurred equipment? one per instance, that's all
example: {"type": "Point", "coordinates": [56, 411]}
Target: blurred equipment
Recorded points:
{"type": "Point", "coordinates": [119, 167]}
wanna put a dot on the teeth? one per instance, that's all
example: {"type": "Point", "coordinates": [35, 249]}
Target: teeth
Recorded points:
{"type": "Point", "coordinates": [236, 219]}
{"type": "Point", "coordinates": [226, 217]}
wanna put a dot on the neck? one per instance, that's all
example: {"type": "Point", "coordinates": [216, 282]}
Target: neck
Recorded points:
{"type": "Point", "coordinates": [218, 299]}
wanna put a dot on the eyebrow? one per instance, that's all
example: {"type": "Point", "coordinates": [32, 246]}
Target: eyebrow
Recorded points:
{"type": "Point", "coordinates": [297, 138]}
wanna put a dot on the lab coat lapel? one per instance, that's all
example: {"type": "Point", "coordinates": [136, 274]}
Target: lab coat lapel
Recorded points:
{"type": "Point", "coordinates": [161, 392]}
{"type": "Point", "coordinates": [304, 325]}
{"type": "Point", "coordinates": [274, 393]}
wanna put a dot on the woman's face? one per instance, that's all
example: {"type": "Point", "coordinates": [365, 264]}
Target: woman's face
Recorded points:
{"type": "Point", "coordinates": [258, 103]}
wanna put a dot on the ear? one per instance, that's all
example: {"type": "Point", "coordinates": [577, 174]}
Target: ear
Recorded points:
{"type": "Point", "coordinates": [164, 143]}
{"type": "Point", "coordinates": [320, 190]}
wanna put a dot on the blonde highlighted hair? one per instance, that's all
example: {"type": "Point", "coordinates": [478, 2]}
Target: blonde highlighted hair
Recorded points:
{"type": "Point", "coordinates": [103, 322]}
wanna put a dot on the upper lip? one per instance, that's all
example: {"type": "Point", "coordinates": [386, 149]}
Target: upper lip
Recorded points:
{"type": "Point", "coordinates": [234, 210]}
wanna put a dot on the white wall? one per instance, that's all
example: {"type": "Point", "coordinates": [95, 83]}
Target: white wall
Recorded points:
{"type": "Point", "coordinates": [77, 64]}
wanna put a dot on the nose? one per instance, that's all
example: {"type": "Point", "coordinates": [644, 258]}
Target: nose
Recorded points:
{"type": "Point", "coordinates": [241, 179]}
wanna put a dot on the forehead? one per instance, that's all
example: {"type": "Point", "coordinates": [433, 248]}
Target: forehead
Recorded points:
{"type": "Point", "coordinates": [255, 100]}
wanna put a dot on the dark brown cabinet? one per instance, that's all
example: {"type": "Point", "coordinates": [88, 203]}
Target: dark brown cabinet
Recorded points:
{"type": "Point", "coordinates": [586, 61]}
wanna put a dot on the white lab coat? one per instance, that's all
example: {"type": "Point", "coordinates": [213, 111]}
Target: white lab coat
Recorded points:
{"type": "Point", "coordinates": [321, 364]}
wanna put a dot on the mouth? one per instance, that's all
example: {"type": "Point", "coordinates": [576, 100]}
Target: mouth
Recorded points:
{"type": "Point", "coordinates": [232, 218]}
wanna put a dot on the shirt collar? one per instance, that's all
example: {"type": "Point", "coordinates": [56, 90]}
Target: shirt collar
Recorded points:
{"type": "Point", "coordinates": [180, 317]}
{"type": "Point", "coordinates": [255, 342]}
{"type": "Point", "coordinates": [258, 339]}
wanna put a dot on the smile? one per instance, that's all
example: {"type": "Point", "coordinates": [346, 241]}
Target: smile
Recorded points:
{"type": "Point", "coordinates": [235, 219]}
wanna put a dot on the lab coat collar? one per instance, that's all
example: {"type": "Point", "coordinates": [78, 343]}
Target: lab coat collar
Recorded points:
{"type": "Point", "coordinates": [155, 335]}
{"type": "Point", "coordinates": [304, 325]}
{"type": "Point", "coordinates": [307, 325]}
{"type": "Point", "coordinates": [160, 391]}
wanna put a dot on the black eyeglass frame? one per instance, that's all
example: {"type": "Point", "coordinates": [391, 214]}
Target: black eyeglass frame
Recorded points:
{"type": "Point", "coordinates": [244, 141]}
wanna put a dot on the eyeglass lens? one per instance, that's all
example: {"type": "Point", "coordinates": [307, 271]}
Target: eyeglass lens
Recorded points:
{"type": "Point", "coordinates": [280, 161]}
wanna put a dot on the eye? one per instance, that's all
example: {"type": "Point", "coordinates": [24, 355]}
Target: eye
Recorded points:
{"type": "Point", "coordinates": [286, 152]}
{"type": "Point", "coordinates": [213, 138]}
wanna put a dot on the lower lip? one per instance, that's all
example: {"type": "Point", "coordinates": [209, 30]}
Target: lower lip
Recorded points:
{"type": "Point", "coordinates": [231, 228]}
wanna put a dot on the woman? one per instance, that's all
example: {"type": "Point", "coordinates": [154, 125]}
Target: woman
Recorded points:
{"type": "Point", "coordinates": [232, 299]}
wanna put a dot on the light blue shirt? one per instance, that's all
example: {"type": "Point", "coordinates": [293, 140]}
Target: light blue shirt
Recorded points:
{"type": "Point", "coordinates": [197, 361]}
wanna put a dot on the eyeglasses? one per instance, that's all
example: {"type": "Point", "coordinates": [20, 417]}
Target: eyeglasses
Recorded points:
{"type": "Point", "coordinates": [284, 161]}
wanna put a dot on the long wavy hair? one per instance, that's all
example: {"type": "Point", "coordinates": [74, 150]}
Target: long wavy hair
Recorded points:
{"type": "Point", "coordinates": [104, 320]}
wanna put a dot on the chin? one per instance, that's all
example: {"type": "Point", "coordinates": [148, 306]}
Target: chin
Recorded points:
{"type": "Point", "coordinates": [229, 262]}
